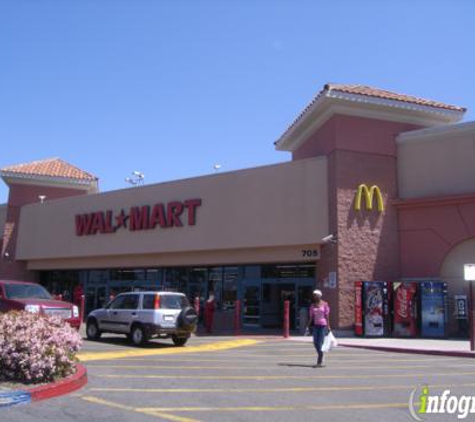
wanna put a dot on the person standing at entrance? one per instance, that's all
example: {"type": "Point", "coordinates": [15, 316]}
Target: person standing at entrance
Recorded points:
{"type": "Point", "coordinates": [210, 307]}
{"type": "Point", "coordinates": [319, 322]}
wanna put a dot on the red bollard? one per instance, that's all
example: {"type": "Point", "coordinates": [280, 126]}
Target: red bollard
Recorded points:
{"type": "Point", "coordinates": [286, 319]}
{"type": "Point", "coordinates": [237, 318]}
{"type": "Point", "coordinates": [81, 309]}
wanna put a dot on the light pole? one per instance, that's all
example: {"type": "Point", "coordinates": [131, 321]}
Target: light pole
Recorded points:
{"type": "Point", "coordinates": [137, 178]}
{"type": "Point", "coordinates": [469, 275]}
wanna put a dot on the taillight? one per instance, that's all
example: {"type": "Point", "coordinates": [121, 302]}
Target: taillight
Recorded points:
{"type": "Point", "coordinates": [156, 303]}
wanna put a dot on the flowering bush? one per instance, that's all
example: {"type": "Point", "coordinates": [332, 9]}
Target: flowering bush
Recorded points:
{"type": "Point", "coordinates": [36, 348]}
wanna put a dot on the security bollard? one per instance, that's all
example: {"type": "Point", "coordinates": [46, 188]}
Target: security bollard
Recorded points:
{"type": "Point", "coordinates": [237, 318]}
{"type": "Point", "coordinates": [197, 305]}
{"type": "Point", "coordinates": [81, 309]}
{"type": "Point", "coordinates": [286, 318]}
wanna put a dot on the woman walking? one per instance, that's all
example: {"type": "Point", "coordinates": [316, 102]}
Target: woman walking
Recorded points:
{"type": "Point", "coordinates": [319, 320]}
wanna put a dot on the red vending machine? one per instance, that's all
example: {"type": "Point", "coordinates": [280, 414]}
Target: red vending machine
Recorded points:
{"type": "Point", "coordinates": [405, 309]}
{"type": "Point", "coordinates": [359, 331]}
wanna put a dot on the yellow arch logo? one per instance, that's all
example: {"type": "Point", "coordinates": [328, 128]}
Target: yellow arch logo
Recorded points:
{"type": "Point", "coordinates": [369, 195]}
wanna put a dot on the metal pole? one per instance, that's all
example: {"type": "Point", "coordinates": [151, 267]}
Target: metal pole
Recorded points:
{"type": "Point", "coordinates": [472, 319]}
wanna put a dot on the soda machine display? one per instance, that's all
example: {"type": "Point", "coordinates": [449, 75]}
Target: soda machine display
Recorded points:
{"type": "Point", "coordinates": [373, 293]}
{"type": "Point", "coordinates": [433, 308]}
{"type": "Point", "coordinates": [405, 309]}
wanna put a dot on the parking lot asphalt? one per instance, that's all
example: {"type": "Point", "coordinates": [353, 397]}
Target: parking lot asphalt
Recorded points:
{"type": "Point", "coordinates": [247, 379]}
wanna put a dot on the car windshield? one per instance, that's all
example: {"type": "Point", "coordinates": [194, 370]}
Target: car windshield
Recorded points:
{"type": "Point", "coordinates": [26, 291]}
{"type": "Point", "coordinates": [173, 302]}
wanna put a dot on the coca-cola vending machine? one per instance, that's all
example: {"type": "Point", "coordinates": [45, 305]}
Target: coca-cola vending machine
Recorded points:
{"type": "Point", "coordinates": [372, 317]}
{"type": "Point", "coordinates": [405, 309]}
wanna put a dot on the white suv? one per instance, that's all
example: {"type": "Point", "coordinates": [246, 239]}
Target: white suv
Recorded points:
{"type": "Point", "coordinates": [143, 315]}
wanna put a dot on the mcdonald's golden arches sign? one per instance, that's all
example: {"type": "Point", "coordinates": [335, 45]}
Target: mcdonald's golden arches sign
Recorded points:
{"type": "Point", "coordinates": [369, 195]}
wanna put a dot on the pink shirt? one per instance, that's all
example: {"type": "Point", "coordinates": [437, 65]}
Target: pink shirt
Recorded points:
{"type": "Point", "coordinates": [319, 313]}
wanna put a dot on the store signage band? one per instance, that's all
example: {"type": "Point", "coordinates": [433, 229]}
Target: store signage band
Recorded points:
{"type": "Point", "coordinates": [369, 194]}
{"type": "Point", "coordinates": [171, 214]}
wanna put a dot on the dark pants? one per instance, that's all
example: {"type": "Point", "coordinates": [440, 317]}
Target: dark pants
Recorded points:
{"type": "Point", "coordinates": [319, 332]}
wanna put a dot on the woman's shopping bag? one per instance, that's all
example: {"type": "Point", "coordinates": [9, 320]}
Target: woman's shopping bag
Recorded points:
{"type": "Point", "coordinates": [329, 342]}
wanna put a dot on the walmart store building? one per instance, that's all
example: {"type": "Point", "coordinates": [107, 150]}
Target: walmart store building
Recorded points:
{"type": "Point", "coordinates": [391, 176]}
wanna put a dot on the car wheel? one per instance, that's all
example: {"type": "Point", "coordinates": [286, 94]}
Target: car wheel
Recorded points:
{"type": "Point", "coordinates": [187, 319]}
{"type": "Point", "coordinates": [179, 341]}
{"type": "Point", "coordinates": [138, 336]}
{"type": "Point", "coordinates": [92, 330]}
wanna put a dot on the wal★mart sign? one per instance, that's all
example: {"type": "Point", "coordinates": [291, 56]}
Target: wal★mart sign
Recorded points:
{"type": "Point", "coordinates": [171, 214]}
{"type": "Point", "coordinates": [369, 195]}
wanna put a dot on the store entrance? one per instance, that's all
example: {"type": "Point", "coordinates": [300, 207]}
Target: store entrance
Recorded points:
{"type": "Point", "coordinates": [251, 310]}
{"type": "Point", "coordinates": [273, 297]}
{"type": "Point", "coordinates": [274, 293]}
{"type": "Point", "coordinates": [95, 297]}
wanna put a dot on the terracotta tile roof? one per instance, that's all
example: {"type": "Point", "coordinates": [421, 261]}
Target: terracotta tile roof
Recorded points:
{"type": "Point", "coordinates": [373, 93]}
{"type": "Point", "coordinates": [388, 95]}
{"type": "Point", "coordinates": [53, 167]}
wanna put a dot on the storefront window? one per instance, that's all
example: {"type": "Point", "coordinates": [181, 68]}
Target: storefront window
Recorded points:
{"type": "Point", "coordinates": [60, 283]}
{"type": "Point", "coordinates": [252, 271]}
{"type": "Point", "coordinates": [306, 271]}
{"type": "Point", "coordinates": [278, 271]}
{"type": "Point", "coordinates": [128, 275]}
{"type": "Point", "coordinates": [153, 274]}
{"type": "Point", "coordinates": [98, 276]}
{"type": "Point", "coordinates": [230, 283]}
{"type": "Point", "coordinates": [181, 276]}
{"type": "Point", "coordinates": [215, 283]}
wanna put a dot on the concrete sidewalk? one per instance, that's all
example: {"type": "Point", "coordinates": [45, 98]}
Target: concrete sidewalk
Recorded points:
{"type": "Point", "coordinates": [445, 347]}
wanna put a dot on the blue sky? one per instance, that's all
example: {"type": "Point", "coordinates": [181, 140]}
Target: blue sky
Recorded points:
{"type": "Point", "coordinates": [171, 88]}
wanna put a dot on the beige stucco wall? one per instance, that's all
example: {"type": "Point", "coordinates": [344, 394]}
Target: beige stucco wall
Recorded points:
{"type": "Point", "coordinates": [437, 162]}
{"type": "Point", "coordinates": [276, 208]}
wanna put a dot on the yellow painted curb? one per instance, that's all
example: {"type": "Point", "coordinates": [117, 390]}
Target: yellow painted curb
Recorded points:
{"type": "Point", "coordinates": [212, 347]}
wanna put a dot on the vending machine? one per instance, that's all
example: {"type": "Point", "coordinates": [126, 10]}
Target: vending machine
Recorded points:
{"type": "Point", "coordinates": [433, 299]}
{"type": "Point", "coordinates": [372, 317]}
{"type": "Point", "coordinates": [405, 307]}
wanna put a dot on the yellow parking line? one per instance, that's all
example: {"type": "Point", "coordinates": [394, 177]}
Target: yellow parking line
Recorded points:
{"type": "Point", "coordinates": [238, 377]}
{"type": "Point", "coordinates": [307, 376]}
{"type": "Point", "coordinates": [211, 347]}
{"type": "Point", "coordinates": [330, 358]}
{"type": "Point", "coordinates": [253, 368]}
{"type": "Point", "coordinates": [349, 406]}
{"type": "Point", "coordinates": [163, 412]}
{"type": "Point", "coordinates": [152, 412]}
{"type": "Point", "coordinates": [268, 390]}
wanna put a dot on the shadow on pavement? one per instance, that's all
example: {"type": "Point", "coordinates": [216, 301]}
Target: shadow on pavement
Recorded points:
{"type": "Point", "coordinates": [299, 365]}
{"type": "Point", "coordinates": [122, 341]}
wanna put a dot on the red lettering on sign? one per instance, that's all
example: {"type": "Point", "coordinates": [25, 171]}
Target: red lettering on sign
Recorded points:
{"type": "Point", "coordinates": [139, 218]}
{"type": "Point", "coordinates": [174, 210]}
{"type": "Point", "coordinates": [97, 223]}
{"type": "Point", "coordinates": [83, 224]}
{"type": "Point", "coordinates": [158, 216]}
{"type": "Point", "coordinates": [191, 205]}
{"type": "Point", "coordinates": [108, 228]}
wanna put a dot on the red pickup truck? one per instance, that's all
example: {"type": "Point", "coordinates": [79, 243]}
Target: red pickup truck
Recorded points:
{"type": "Point", "coordinates": [32, 297]}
